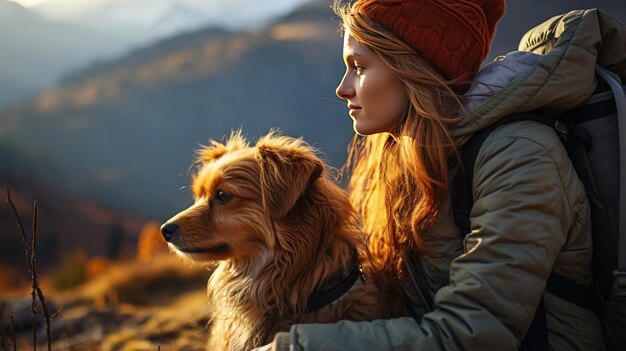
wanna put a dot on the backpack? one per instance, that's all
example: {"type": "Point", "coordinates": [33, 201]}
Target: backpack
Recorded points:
{"type": "Point", "coordinates": [594, 135]}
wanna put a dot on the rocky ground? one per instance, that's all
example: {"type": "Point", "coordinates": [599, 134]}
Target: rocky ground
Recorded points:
{"type": "Point", "coordinates": [156, 305]}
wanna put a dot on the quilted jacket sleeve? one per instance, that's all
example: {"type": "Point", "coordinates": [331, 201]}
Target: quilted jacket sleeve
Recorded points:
{"type": "Point", "coordinates": [525, 198]}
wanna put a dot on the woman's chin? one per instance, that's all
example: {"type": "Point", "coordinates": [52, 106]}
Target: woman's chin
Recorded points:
{"type": "Point", "coordinates": [364, 129]}
{"type": "Point", "coordinates": [359, 128]}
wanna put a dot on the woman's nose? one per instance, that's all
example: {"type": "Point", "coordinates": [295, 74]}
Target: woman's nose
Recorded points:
{"type": "Point", "coordinates": [344, 90]}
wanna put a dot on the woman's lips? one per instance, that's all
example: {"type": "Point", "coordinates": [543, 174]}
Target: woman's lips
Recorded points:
{"type": "Point", "coordinates": [354, 109]}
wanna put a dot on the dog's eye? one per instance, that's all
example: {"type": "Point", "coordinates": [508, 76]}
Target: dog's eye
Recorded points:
{"type": "Point", "coordinates": [222, 197]}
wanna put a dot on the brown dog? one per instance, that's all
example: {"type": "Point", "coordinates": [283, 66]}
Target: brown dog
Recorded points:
{"type": "Point", "coordinates": [285, 236]}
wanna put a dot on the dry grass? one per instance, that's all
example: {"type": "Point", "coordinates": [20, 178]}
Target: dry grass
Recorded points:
{"type": "Point", "coordinates": [144, 283]}
{"type": "Point", "coordinates": [140, 306]}
{"type": "Point", "coordinates": [160, 302]}
{"type": "Point", "coordinates": [132, 306]}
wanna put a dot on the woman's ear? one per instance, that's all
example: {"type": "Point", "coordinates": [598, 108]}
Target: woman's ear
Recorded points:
{"type": "Point", "coordinates": [286, 173]}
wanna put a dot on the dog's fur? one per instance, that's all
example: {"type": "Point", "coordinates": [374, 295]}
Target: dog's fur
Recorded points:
{"type": "Point", "coordinates": [286, 228]}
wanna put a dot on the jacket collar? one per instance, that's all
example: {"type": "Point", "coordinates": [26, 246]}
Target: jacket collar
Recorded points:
{"type": "Point", "coordinates": [554, 70]}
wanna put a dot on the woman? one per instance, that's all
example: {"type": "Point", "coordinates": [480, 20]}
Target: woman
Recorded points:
{"type": "Point", "coordinates": [415, 94]}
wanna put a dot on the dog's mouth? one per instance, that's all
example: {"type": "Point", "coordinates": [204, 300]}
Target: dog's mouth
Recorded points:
{"type": "Point", "coordinates": [217, 249]}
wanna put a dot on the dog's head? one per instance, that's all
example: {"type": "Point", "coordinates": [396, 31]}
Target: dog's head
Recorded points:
{"type": "Point", "coordinates": [243, 194]}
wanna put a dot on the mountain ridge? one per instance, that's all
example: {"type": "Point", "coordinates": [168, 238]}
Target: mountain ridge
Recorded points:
{"type": "Point", "coordinates": [112, 120]}
{"type": "Point", "coordinates": [125, 131]}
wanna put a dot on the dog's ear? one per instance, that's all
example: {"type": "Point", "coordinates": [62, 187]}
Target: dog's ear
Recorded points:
{"type": "Point", "coordinates": [286, 172]}
{"type": "Point", "coordinates": [215, 149]}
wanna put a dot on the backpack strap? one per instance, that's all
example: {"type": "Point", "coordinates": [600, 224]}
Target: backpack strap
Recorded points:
{"type": "Point", "coordinates": [536, 338]}
{"type": "Point", "coordinates": [463, 200]}
{"type": "Point", "coordinates": [620, 100]}
{"type": "Point", "coordinates": [462, 184]}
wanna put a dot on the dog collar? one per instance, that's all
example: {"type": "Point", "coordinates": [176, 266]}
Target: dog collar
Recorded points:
{"type": "Point", "coordinates": [336, 285]}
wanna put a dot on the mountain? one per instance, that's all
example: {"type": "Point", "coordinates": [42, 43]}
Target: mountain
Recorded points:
{"type": "Point", "coordinates": [152, 20]}
{"type": "Point", "coordinates": [36, 52]}
{"type": "Point", "coordinates": [124, 131]}
{"type": "Point", "coordinates": [145, 54]}
{"type": "Point", "coordinates": [66, 222]}
{"type": "Point", "coordinates": [144, 21]}
{"type": "Point", "coordinates": [46, 41]}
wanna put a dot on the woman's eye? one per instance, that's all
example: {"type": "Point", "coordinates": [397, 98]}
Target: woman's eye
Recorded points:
{"type": "Point", "coordinates": [222, 197]}
{"type": "Point", "coordinates": [358, 69]}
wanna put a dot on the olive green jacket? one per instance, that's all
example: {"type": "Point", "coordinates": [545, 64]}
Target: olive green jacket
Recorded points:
{"type": "Point", "coordinates": [530, 216]}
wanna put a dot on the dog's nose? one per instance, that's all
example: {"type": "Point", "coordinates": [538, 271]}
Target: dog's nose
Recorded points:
{"type": "Point", "coordinates": [169, 229]}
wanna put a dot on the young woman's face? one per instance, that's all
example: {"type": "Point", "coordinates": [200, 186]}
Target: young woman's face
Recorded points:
{"type": "Point", "coordinates": [376, 97]}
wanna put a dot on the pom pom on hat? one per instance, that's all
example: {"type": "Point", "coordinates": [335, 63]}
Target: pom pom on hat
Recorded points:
{"type": "Point", "coordinates": [454, 35]}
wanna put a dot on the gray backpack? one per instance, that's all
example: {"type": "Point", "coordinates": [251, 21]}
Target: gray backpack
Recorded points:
{"type": "Point", "coordinates": [594, 134]}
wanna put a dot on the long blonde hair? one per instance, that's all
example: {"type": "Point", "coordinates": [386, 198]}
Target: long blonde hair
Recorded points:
{"type": "Point", "coordinates": [399, 179]}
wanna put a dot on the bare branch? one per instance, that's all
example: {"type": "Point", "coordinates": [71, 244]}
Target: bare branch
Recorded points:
{"type": "Point", "coordinates": [47, 316]}
{"type": "Point", "coordinates": [20, 228]}
{"type": "Point", "coordinates": [13, 333]}
{"type": "Point", "coordinates": [31, 260]}
{"type": "Point", "coordinates": [33, 293]}
{"type": "Point", "coordinates": [33, 256]}
{"type": "Point", "coordinates": [33, 314]}
{"type": "Point", "coordinates": [2, 336]}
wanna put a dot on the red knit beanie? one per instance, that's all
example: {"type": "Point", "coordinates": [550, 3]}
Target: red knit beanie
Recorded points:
{"type": "Point", "coordinates": [454, 35]}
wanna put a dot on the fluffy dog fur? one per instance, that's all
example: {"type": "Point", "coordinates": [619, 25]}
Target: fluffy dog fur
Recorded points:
{"type": "Point", "coordinates": [285, 228]}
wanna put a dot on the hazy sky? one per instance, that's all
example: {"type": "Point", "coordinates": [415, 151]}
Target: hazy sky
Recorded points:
{"type": "Point", "coordinates": [234, 14]}
{"type": "Point", "coordinates": [146, 20]}
{"type": "Point", "coordinates": [29, 3]}
{"type": "Point", "coordinates": [90, 3]}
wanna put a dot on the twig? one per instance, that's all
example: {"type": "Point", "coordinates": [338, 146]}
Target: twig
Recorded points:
{"type": "Point", "coordinates": [47, 316]}
{"type": "Point", "coordinates": [31, 255]}
{"type": "Point", "coordinates": [31, 264]}
{"type": "Point", "coordinates": [42, 299]}
{"type": "Point", "coordinates": [2, 341]}
{"type": "Point", "coordinates": [57, 314]}
{"type": "Point", "coordinates": [20, 227]}
{"type": "Point", "coordinates": [13, 333]}
{"type": "Point", "coordinates": [35, 279]}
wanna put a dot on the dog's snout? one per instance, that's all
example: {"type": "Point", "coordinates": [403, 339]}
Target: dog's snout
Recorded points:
{"type": "Point", "coordinates": [168, 230]}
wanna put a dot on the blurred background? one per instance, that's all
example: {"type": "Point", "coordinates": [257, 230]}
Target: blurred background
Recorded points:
{"type": "Point", "coordinates": [103, 103]}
